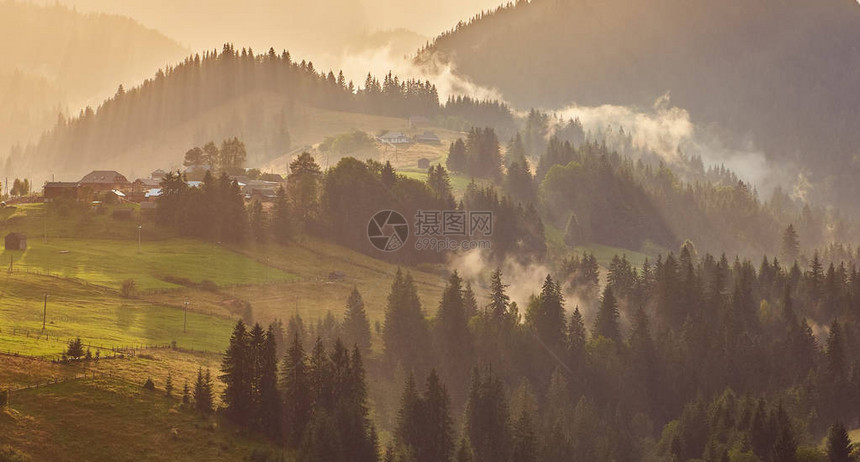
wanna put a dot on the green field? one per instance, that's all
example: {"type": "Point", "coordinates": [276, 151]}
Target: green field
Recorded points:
{"type": "Point", "coordinates": [97, 315]}
{"type": "Point", "coordinates": [313, 294]}
{"type": "Point", "coordinates": [82, 278]}
{"type": "Point", "coordinates": [109, 262]}
{"type": "Point", "coordinates": [111, 253]}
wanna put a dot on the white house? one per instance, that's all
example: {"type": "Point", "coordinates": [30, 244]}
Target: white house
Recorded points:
{"type": "Point", "coordinates": [394, 138]}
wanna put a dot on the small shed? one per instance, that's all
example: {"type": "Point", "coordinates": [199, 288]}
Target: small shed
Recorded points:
{"type": "Point", "coordinates": [428, 138]}
{"type": "Point", "coordinates": [423, 163]}
{"type": "Point", "coordinates": [16, 241]}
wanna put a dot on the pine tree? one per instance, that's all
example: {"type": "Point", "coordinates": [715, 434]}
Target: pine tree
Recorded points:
{"type": "Point", "coordinates": [269, 408]}
{"type": "Point", "coordinates": [790, 244]}
{"type": "Point", "coordinates": [281, 224]}
{"type": "Point", "coordinates": [835, 352]}
{"type": "Point", "coordinates": [75, 349]}
{"type": "Point", "coordinates": [470, 302]}
{"type": "Point", "coordinates": [350, 409]}
{"type": "Point", "coordinates": [356, 326]}
{"type": "Point", "coordinates": [456, 161]}
{"type": "Point", "coordinates": [464, 451]}
{"type": "Point", "coordinates": [440, 185]}
{"type": "Point", "coordinates": [186, 393]}
{"type": "Point", "coordinates": [785, 448]}
{"type": "Point", "coordinates": [577, 338]}
{"type": "Point", "coordinates": [499, 300]}
{"type": "Point", "coordinates": [407, 433]}
{"type": "Point", "coordinates": [606, 323]}
{"type": "Point", "coordinates": [405, 334]}
{"type": "Point", "coordinates": [486, 420]}
{"type": "Point", "coordinates": [237, 368]}
{"type": "Point", "coordinates": [203, 392]}
{"type": "Point", "coordinates": [297, 399]}
{"type": "Point", "coordinates": [524, 440]}
{"type": "Point", "coordinates": [838, 444]}
{"type": "Point", "coordinates": [438, 431]}
{"type": "Point", "coordinates": [257, 218]}
{"type": "Point", "coordinates": [452, 337]}
{"type": "Point", "coordinates": [303, 188]}
{"type": "Point", "coordinates": [546, 316]}
{"type": "Point", "coordinates": [387, 175]}
{"type": "Point", "coordinates": [168, 385]}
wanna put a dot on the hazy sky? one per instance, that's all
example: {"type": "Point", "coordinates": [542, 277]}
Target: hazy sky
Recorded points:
{"type": "Point", "coordinates": [303, 26]}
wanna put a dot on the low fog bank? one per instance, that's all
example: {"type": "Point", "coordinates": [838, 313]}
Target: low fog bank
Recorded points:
{"type": "Point", "coordinates": [670, 132]}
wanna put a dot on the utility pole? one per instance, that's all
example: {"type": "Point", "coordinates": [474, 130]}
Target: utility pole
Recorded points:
{"type": "Point", "coordinates": [185, 324]}
{"type": "Point", "coordinates": [45, 313]}
{"type": "Point", "coordinates": [139, 228]}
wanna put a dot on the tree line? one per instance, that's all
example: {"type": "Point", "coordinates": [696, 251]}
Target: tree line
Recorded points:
{"type": "Point", "coordinates": [691, 357]}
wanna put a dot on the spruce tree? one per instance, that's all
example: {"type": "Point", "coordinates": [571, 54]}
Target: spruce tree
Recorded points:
{"type": "Point", "coordinates": [524, 440]}
{"type": "Point", "coordinates": [186, 393]}
{"type": "Point", "coordinates": [436, 422]}
{"type": "Point", "coordinates": [470, 302]}
{"type": "Point", "coordinates": [606, 323]}
{"type": "Point", "coordinates": [499, 300]}
{"type": "Point", "coordinates": [356, 326]}
{"type": "Point", "coordinates": [281, 224]}
{"type": "Point", "coordinates": [838, 444]}
{"type": "Point", "coordinates": [785, 448]}
{"type": "Point", "coordinates": [237, 368]}
{"type": "Point", "coordinates": [452, 337]}
{"type": "Point", "coordinates": [405, 334]}
{"type": "Point", "coordinates": [486, 420]}
{"type": "Point", "coordinates": [407, 433]}
{"type": "Point", "coordinates": [456, 161]}
{"type": "Point", "coordinates": [546, 316]}
{"type": "Point", "coordinates": [790, 244]}
{"type": "Point", "coordinates": [297, 398]}
{"type": "Point", "coordinates": [168, 385]}
{"type": "Point", "coordinates": [203, 392]}
{"type": "Point", "coordinates": [269, 409]}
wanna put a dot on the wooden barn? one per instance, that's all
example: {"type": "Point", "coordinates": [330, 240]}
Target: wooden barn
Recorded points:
{"type": "Point", "coordinates": [16, 241]}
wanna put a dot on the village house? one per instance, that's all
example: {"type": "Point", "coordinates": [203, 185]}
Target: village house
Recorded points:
{"type": "Point", "coordinates": [140, 187]}
{"type": "Point", "coordinates": [104, 180]}
{"type": "Point", "coordinates": [264, 191]}
{"type": "Point", "coordinates": [394, 138]}
{"type": "Point", "coordinates": [60, 190]}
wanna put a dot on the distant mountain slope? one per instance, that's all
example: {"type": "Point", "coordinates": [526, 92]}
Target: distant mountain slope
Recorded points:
{"type": "Point", "coordinates": [55, 58]}
{"type": "Point", "coordinates": [779, 73]}
{"type": "Point", "coordinates": [227, 93]}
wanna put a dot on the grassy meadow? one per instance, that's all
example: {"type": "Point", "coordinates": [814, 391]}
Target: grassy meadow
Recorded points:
{"type": "Point", "coordinates": [108, 419]}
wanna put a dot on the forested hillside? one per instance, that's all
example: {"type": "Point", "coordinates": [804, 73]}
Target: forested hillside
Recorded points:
{"type": "Point", "coordinates": [56, 59]}
{"type": "Point", "coordinates": [766, 74]}
{"type": "Point", "coordinates": [235, 92]}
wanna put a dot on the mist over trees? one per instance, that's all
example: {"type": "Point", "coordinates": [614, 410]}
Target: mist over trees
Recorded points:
{"type": "Point", "coordinates": [689, 357]}
{"type": "Point", "coordinates": [729, 63]}
{"type": "Point", "coordinates": [262, 92]}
